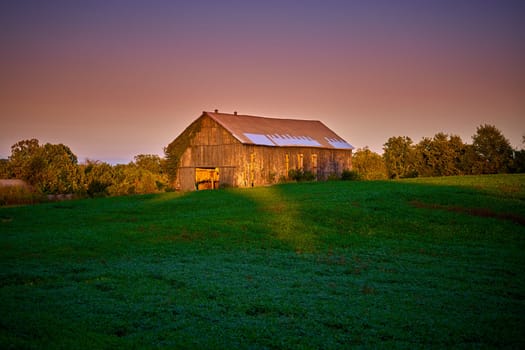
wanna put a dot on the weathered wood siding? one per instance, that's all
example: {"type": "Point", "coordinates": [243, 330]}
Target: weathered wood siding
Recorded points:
{"type": "Point", "coordinates": [251, 165]}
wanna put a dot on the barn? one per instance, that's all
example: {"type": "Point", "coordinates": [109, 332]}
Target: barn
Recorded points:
{"type": "Point", "coordinates": [233, 150]}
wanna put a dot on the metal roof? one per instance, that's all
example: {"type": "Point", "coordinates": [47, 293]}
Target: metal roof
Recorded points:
{"type": "Point", "coordinates": [279, 132]}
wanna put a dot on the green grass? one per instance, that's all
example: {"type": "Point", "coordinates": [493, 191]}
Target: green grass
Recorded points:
{"type": "Point", "coordinates": [424, 263]}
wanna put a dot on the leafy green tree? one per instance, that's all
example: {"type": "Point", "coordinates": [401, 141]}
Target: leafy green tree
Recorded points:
{"type": "Point", "coordinates": [132, 179]}
{"type": "Point", "coordinates": [492, 150]}
{"type": "Point", "coordinates": [150, 162]}
{"type": "Point", "coordinates": [60, 173]}
{"type": "Point", "coordinates": [459, 149]}
{"type": "Point", "coordinates": [120, 185]}
{"type": "Point", "coordinates": [369, 165]}
{"type": "Point", "coordinates": [142, 180]}
{"type": "Point", "coordinates": [439, 156]}
{"type": "Point", "coordinates": [49, 168]}
{"type": "Point", "coordinates": [23, 154]}
{"type": "Point", "coordinates": [156, 167]}
{"type": "Point", "coordinates": [399, 155]}
{"type": "Point", "coordinates": [173, 153]}
{"type": "Point", "coordinates": [470, 164]}
{"type": "Point", "coordinates": [97, 177]}
{"type": "Point", "coordinates": [424, 157]}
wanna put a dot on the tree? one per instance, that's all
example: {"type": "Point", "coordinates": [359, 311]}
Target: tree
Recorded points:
{"type": "Point", "coordinates": [97, 177]}
{"type": "Point", "coordinates": [492, 150]}
{"type": "Point", "coordinates": [23, 153]}
{"type": "Point", "coordinates": [459, 150]}
{"type": "Point", "coordinates": [4, 169]}
{"type": "Point", "coordinates": [399, 156]}
{"type": "Point", "coordinates": [369, 165]}
{"type": "Point", "coordinates": [150, 162]}
{"type": "Point", "coordinates": [60, 173]}
{"type": "Point", "coordinates": [173, 153]}
{"type": "Point", "coordinates": [49, 168]}
{"type": "Point", "coordinates": [131, 179]}
{"type": "Point", "coordinates": [518, 159]}
{"type": "Point", "coordinates": [439, 156]}
{"type": "Point", "coordinates": [424, 157]}
{"type": "Point", "coordinates": [518, 163]}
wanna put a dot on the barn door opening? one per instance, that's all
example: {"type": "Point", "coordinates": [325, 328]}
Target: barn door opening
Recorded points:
{"type": "Point", "coordinates": [206, 178]}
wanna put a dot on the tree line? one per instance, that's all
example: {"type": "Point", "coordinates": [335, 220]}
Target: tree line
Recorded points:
{"type": "Point", "coordinates": [442, 155]}
{"type": "Point", "coordinates": [52, 169]}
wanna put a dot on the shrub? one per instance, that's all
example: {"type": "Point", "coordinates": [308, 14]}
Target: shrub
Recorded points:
{"type": "Point", "coordinates": [350, 175]}
{"type": "Point", "coordinates": [301, 175]}
{"type": "Point", "coordinates": [97, 188]}
{"type": "Point", "coordinates": [333, 177]}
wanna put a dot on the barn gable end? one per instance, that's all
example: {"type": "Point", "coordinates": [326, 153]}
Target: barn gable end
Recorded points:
{"type": "Point", "coordinates": [230, 150]}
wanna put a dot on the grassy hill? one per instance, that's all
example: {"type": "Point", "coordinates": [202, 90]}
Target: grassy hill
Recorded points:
{"type": "Point", "coordinates": [412, 264]}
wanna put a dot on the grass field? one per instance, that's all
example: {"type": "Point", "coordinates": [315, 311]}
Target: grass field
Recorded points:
{"type": "Point", "coordinates": [419, 263]}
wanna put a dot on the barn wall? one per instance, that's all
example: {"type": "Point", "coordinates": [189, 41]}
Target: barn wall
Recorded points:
{"type": "Point", "coordinates": [250, 165]}
{"type": "Point", "coordinates": [187, 178]}
{"type": "Point", "coordinates": [265, 165]}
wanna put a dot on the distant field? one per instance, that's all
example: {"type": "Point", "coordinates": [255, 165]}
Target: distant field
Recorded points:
{"type": "Point", "coordinates": [419, 263]}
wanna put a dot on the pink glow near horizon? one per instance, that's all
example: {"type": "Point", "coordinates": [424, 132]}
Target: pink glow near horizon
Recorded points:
{"type": "Point", "coordinates": [115, 79]}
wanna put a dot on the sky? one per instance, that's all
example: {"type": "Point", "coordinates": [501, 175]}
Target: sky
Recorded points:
{"type": "Point", "coordinates": [112, 79]}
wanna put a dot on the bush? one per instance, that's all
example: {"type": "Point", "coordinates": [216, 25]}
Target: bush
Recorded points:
{"type": "Point", "coordinates": [333, 177]}
{"type": "Point", "coordinates": [410, 174]}
{"type": "Point", "coordinates": [97, 188]}
{"type": "Point", "coordinates": [301, 175]}
{"type": "Point", "coordinates": [350, 175]}
{"type": "Point", "coordinates": [161, 186]}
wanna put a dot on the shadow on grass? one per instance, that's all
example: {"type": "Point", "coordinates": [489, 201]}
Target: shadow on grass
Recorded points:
{"type": "Point", "coordinates": [284, 217]}
{"type": "Point", "coordinates": [260, 218]}
{"type": "Point", "coordinates": [302, 218]}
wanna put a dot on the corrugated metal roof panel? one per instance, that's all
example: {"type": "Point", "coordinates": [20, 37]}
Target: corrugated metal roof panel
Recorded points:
{"type": "Point", "coordinates": [279, 132]}
{"type": "Point", "coordinates": [288, 140]}
{"type": "Point", "coordinates": [339, 143]}
{"type": "Point", "coordinates": [259, 139]}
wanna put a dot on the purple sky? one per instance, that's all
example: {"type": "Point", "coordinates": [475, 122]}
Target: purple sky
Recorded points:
{"type": "Point", "coordinates": [113, 79]}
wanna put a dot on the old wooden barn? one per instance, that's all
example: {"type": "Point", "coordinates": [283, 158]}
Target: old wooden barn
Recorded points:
{"type": "Point", "coordinates": [221, 150]}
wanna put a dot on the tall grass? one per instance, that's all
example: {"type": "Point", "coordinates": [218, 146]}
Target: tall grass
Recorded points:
{"type": "Point", "coordinates": [310, 265]}
{"type": "Point", "coordinates": [18, 195]}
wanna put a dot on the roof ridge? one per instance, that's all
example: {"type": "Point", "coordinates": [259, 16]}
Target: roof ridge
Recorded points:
{"type": "Point", "coordinates": [265, 117]}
